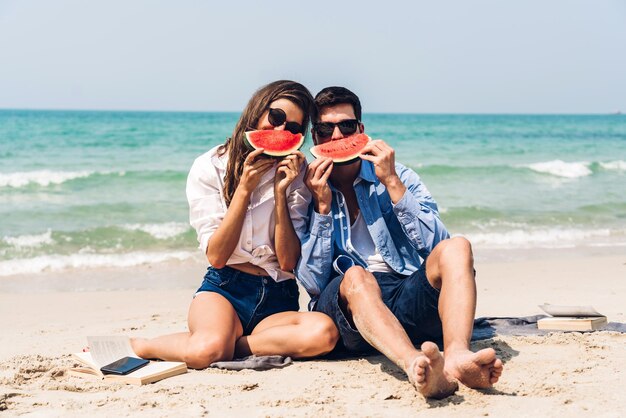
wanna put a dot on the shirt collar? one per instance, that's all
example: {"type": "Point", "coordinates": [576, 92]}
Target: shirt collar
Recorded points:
{"type": "Point", "coordinates": [219, 161]}
{"type": "Point", "coordinates": [367, 172]}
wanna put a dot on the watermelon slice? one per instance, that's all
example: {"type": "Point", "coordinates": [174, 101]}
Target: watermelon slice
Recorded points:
{"type": "Point", "coordinates": [275, 143]}
{"type": "Point", "coordinates": [342, 151]}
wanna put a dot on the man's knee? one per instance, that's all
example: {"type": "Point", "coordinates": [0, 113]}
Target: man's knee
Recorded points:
{"type": "Point", "coordinates": [448, 256]}
{"type": "Point", "coordinates": [457, 249]}
{"type": "Point", "coordinates": [358, 282]}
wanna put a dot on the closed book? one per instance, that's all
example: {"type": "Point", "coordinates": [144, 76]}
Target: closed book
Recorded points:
{"type": "Point", "coordinates": [564, 323]}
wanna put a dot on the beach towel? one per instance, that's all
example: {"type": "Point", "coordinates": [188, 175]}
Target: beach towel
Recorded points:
{"type": "Point", "coordinates": [489, 327]}
{"type": "Point", "coordinates": [254, 362]}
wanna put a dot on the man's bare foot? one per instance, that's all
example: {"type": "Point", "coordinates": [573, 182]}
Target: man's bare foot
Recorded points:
{"type": "Point", "coordinates": [426, 372]}
{"type": "Point", "coordinates": [478, 370]}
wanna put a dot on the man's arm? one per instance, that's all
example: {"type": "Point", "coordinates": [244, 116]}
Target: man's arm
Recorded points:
{"type": "Point", "coordinates": [315, 265]}
{"type": "Point", "coordinates": [412, 203]}
{"type": "Point", "coordinates": [418, 214]}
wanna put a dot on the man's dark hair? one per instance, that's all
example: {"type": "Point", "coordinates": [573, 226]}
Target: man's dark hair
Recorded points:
{"type": "Point", "coordinates": [331, 96]}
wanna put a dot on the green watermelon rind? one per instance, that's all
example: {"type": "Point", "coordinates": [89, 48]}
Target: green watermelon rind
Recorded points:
{"type": "Point", "coordinates": [342, 161]}
{"type": "Point", "coordinates": [271, 153]}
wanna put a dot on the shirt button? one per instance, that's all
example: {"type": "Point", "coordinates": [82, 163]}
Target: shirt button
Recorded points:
{"type": "Point", "coordinates": [248, 242]}
{"type": "Point", "coordinates": [264, 281]}
{"type": "Point", "coordinates": [400, 213]}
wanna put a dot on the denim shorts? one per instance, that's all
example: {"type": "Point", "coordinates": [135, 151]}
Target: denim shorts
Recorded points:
{"type": "Point", "coordinates": [253, 297]}
{"type": "Point", "coordinates": [410, 298]}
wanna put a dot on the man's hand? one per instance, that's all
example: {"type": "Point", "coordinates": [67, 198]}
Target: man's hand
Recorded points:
{"type": "Point", "coordinates": [286, 171]}
{"type": "Point", "coordinates": [383, 157]}
{"type": "Point", "coordinates": [316, 179]}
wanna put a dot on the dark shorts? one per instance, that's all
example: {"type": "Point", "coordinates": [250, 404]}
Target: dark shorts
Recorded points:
{"type": "Point", "coordinates": [253, 297]}
{"type": "Point", "coordinates": [411, 299]}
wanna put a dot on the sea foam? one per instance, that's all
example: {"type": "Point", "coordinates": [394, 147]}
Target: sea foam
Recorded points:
{"type": "Point", "coordinates": [31, 241]}
{"type": "Point", "coordinates": [45, 177]}
{"type": "Point", "coordinates": [561, 168]}
{"type": "Point", "coordinates": [57, 262]}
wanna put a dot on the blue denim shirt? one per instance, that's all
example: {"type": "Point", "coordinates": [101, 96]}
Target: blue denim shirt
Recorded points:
{"type": "Point", "coordinates": [404, 233]}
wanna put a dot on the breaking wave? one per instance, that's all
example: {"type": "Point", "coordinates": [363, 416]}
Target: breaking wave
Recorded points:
{"type": "Point", "coordinates": [542, 238]}
{"type": "Point", "coordinates": [562, 169]}
{"type": "Point", "coordinates": [46, 178]}
{"type": "Point", "coordinates": [160, 231]}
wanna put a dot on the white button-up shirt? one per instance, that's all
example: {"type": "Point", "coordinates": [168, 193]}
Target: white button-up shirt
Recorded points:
{"type": "Point", "coordinates": [207, 209]}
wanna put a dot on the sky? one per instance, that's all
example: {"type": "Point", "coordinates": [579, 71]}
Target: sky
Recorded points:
{"type": "Point", "coordinates": [481, 56]}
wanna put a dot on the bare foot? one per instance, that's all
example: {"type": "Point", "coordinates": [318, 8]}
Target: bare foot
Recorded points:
{"type": "Point", "coordinates": [478, 370]}
{"type": "Point", "coordinates": [427, 374]}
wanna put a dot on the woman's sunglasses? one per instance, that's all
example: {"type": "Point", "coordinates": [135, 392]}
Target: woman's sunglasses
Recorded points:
{"type": "Point", "coordinates": [277, 117]}
{"type": "Point", "coordinates": [325, 129]}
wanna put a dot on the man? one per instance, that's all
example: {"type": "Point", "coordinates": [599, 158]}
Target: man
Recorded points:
{"type": "Point", "coordinates": [399, 279]}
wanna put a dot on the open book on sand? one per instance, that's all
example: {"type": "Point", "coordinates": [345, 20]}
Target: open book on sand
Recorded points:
{"type": "Point", "coordinates": [571, 318]}
{"type": "Point", "coordinates": [105, 350]}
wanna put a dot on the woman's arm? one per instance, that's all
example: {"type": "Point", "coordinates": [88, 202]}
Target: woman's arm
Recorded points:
{"type": "Point", "coordinates": [286, 241]}
{"type": "Point", "coordinates": [224, 240]}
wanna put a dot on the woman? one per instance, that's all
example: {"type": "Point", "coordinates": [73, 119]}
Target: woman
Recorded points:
{"type": "Point", "coordinates": [247, 211]}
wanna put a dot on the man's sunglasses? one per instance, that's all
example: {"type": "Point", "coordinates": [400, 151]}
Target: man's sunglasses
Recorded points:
{"type": "Point", "coordinates": [277, 117]}
{"type": "Point", "coordinates": [325, 129]}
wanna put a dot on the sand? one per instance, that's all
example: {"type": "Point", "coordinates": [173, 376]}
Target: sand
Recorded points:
{"type": "Point", "coordinates": [46, 317]}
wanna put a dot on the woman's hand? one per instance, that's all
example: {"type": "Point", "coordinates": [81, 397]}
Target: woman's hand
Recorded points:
{"type": "Point", "coordinates": [287, 170]}
{"type": "Point", "coordinates": [253, 169]}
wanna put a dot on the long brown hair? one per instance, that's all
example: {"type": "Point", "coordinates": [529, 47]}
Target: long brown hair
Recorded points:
{"type": "Point", "coordinates": [249, 119]}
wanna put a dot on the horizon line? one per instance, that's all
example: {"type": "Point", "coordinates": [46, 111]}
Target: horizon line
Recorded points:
{"type": "Point", "coordinates": [616, 112]}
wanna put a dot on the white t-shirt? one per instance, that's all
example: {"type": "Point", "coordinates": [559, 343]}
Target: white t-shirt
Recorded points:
{"type": "Point", "coordinates": [207, 208]}
{"type": "Point", "coordinates": [363, 243]}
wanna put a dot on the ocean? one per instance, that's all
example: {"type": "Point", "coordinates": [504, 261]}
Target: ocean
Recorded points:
{"type": "Point", "coordinates": [81, 189]}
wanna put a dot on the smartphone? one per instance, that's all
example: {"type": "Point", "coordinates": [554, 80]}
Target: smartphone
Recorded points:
{"type": "Point", "coordinates": [124, 366]}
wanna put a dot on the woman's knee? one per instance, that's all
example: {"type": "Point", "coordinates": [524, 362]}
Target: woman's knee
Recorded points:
{"type": "Point", "coordinates": [325, 332]}
{"type": "Point", "coordinates": [321, 334]}
{"type": "Point", "coordinates": [202, 351]}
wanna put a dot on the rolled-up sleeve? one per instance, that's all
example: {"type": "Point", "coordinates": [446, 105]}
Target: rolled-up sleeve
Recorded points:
{"type": "Point", "coordinates": [206, 206]}
{"type": "Point", "coordinates": [418, 214]}
{"type": "Point", "coordinates": [314, 267]}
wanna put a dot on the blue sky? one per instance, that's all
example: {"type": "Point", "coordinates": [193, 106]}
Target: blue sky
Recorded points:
{"type": "Point", "coordinates": [561, 56]}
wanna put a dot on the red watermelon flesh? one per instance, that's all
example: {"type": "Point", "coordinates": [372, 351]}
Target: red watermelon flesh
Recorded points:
{"type": "Point", "coordinates": [342, 151]}
{"type": "Point", "coordinates": [274, 143]}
